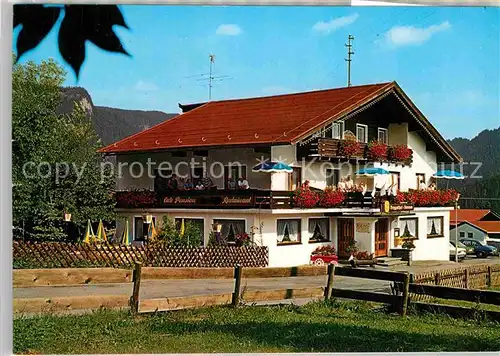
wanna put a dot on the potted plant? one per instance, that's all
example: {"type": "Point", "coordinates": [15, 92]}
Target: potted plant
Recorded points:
{"type": "Point", "coordinates": [360, 258]}
{"type": "Point", "coordinates": [324, 254]}
{"type": "Point", "coordinates": [349, 148]}
{"type": "Point", "coordinates": [399, 153]}
{"type": "Point", "coordinates": [242, 239]}
{"type": "Point", "coordinates": [304, 197]}
{"type": "Point", "coordinates": [377, 150]}
{"type": "Point", "coordinates": [331, 198]}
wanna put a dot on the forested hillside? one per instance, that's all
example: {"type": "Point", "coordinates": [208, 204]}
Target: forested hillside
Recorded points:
{"type": "Point", "coordinates": [484, 149]}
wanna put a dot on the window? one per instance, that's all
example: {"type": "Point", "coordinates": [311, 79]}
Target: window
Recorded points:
{"type": "Point", "coordinates": [382, 135]}
{"type": "Point", "coordinates": [332, 177]}
{"type": "Point", "coordinates": [362, 133]}
{"type": "Point", "coordinates": [288, 231]}
{"type": "Point", "coordinates": [234, 171]}
{"type": "Point", "coordinates": [142, 228]}
{"type": "Point", "coordinates": [319, 229]}
{"type": "Point", "coordinates": [408, 228]}
{"type": "Point", "coordinates": [198, 224]}
{"type": "Point", "coordinates": [420, 179]}
{"type": "Point", "coordinates": [462, 234]}
{"type": "Point", "coordinates": [338, 130]}
{"type": "Point", "coordinates": [470, 235]}
{"type": "Point", "coordinates": [230, 228]}
{"type": "Point", "coordinates": [395, 179]}
{"type": "Point", "coordinates": [435, 226]}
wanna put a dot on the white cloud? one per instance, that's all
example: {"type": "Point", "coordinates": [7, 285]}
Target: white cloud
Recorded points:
{"type": "Point", "coordinates": [145, 86]}
{"type": "Point", "coordinates": [409, 35]}
{"type": "Point", "coordinates": [335, 24]}
{"type": "Point", "coordinates": [228, 30]}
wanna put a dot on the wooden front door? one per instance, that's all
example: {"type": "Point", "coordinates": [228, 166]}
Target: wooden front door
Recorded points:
{"type": "Point", "coordinates": [345, 234]}
{"type": "Point", "coordinates": [381, 237]}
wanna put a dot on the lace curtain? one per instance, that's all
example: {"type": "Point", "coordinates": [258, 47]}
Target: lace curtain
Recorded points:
{"type": "Point", "coordinates": [288, 231]}
{"type": "Point", "coordinates": [434, 226]}
{"type": "Point", "coordinates": [318, 229]}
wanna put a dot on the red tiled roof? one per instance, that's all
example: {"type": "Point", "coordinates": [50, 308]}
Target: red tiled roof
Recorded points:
{"type": "Point", "coordinates": [471, 215]}
{"type": "Point", "coordinates": [488, 226]}
{"type": "Point", "coordinates": [262, 120]}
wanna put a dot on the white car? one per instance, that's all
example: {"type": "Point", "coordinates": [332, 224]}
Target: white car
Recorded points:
{"type": "Point", "coordinates": [461, 252]}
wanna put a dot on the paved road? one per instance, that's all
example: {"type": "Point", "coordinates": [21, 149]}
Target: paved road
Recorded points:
{"type": "Point", "coordinates": [185, 287]}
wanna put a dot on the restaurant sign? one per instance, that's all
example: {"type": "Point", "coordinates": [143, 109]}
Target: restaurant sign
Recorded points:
{"type": "Point", "coordinates": [387, 207]}
{"type": "Point", "coordinates": [209, 201]}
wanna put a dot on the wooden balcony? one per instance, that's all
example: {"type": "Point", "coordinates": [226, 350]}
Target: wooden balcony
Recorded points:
{"type": "Point", "coordinates": [226, 199]}
{"type": "Point", "coordinates": [330, 149]}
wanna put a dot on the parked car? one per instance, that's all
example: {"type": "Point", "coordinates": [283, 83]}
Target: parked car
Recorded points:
{"type": "Point", "coordinates": [481, 250]}
{"type": "Point", "coordinates": [460, 251]}
{"type": "Point", "coordinates": [468, 249]}
{"type": "Point", "coordinates": [494, 243]}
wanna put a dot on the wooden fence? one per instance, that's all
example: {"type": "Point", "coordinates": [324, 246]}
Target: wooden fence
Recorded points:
{"type": "Point", "coordinates": [69, 255]}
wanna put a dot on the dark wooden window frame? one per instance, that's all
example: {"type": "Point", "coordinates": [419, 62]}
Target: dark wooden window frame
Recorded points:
{"type": "Point", "coordinates": [299, 242]}
{"type": "Point", "coordinates": [442, 227]}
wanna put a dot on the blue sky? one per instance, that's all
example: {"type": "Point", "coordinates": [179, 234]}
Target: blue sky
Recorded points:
{"type": "Point", "coordinates": [446, 59]}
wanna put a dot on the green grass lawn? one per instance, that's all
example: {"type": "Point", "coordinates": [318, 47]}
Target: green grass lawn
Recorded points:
{"type": "Point", "coordinates": [318, 326]}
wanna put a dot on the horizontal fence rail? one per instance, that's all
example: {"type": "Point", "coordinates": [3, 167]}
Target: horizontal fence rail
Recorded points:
{"type": "Point", "coordinates": [470, 295]}
{"type": "Point", "coordinates": [75, 255]}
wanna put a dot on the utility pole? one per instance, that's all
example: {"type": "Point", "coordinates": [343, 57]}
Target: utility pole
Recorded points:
{"type": "Point", "coordinates": [348, 59]}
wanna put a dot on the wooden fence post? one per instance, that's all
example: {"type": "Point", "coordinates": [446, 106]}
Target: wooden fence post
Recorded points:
{"type": "Point", "coordinates": [406, 290]}
{"type": "Point", "coordinates": [466, 274]}
{"type": "Point", "coordinates": [134, 299]}
{"type": "Point", "coordinates": [329, 281]}
{"type": "Point", "coordinates": [437, 278]}
{"type": "Point", "coordinates": [488, 277]}
{"type": "Point", "coordinates": [237, 285]}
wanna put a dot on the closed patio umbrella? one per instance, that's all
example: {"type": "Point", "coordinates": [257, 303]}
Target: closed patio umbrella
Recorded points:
{"type": "Point", "coordinates": [89, 233]}
{"type": "Point", "coordinates": [127, 237]}
{"type": "Point", "coordinates": [101, 234]}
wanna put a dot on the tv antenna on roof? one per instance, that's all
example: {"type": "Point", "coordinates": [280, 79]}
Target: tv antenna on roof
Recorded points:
{"type": "Point", "coordinates": [210, 77]}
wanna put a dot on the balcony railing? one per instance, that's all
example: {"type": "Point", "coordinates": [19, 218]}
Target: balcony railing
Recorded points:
{"type": "Point", "coordinates": [330, 148]}
{"type": "Point", "coordinates": [226, 199]}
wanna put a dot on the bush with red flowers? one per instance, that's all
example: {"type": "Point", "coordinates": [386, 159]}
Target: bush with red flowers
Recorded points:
{"type": "Point", "coordinates": [136, 198]}
{"type": "Point", "coordinates": [421, 198]}
{"type": "Point", "coordinates": [331, 198]}
{"type": "Point", "coordinates": [399, 153]}
{"type": "Point", "coordinates": [349, 148]}
{"type": "Point", "coordinates": [377, 151]}
{"type": "Point", "coordinates": [327, 250]}
{"type": "Point", "coordinates": [304, 197]}
{"type": "Point", "coordinates": [363, 255]}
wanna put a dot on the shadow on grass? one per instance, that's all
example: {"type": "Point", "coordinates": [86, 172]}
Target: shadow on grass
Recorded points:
{"type": "Point", "coordinates": [335, 334]}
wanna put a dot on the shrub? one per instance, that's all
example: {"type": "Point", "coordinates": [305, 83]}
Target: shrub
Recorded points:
{"type": "Point", "coordinates": [242, 239]}
{"type": "Point", "coordinates": [170, 235]}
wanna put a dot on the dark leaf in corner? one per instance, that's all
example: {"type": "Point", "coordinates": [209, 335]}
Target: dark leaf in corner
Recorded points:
{"type": "Point", "coordinates": [93, 23]}
{"type": "Point", "coordinates": [72, 40]}
{"type": "Point", "coordinates": [36, 21]}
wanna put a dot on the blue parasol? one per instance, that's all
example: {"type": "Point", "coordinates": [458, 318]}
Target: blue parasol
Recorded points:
{"type": "Point", "coordinates": [447, 174]}
{"type": "Point", "coordinates": [272, 167]}
{"type": "Point", "coordinates": [369, 172]}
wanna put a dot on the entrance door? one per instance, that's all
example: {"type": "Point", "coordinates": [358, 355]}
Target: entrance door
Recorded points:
{"type": "Point", "coordinates": [381, 237]}
{"type": "Point", "coordinates": [345, 234]}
